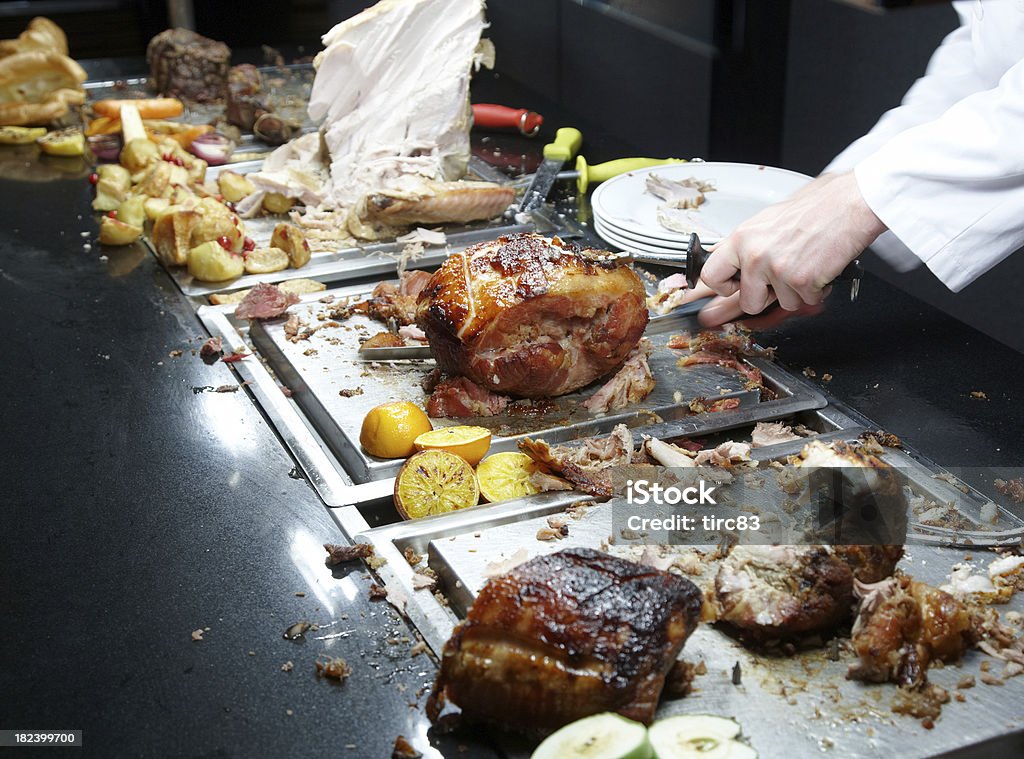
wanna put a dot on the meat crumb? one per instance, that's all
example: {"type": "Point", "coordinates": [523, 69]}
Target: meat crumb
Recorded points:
{"type": "Point", "coordinates": [197, 634]}
{"type": "Point", "coordinates": [288, 666]}
{"type": "Point", "coordinates": [211, 350]}
{"type": "Point", "coordinates": [826, 377]}
{"type": "Point", "coordinates": [411, 556]}
{"type": "Point", "coordinates": [979, 395]}
{"type": "Point", "coordinates": [1012, 489]}
{"type": "Point", "coordinates": [418, 649]}
{"type": "Point", "coordinates": [967, 681]}
{"type": "Point", "coordinates": [989, 679]}
{"type": "Point", "coordinates": [376, 562]}
{"type": "Point", "coordinates": [553, 533]}
{"type": "Point", "coordinates": [810, 373]}
{"type": "Point", "coordinates": [349, 392]}
{"type": "Point", "coordinates": [377, 592]}
{"type": "Point", "coordinates": [334, 667]}
{"type": "Point", "coordinates": [175, 354]}
{"type": "Point", "coordinates": [287, 391]}
{"type": "Point", "coordinates": [403, 750]}
{"type": "Point", "coordinates": [336, 554]}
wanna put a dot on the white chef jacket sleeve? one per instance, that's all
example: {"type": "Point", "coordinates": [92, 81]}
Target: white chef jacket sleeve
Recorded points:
{"type": "Point", "coordinates": [949, 77]}
{"type": "Point", "coordinates": [952, 189]}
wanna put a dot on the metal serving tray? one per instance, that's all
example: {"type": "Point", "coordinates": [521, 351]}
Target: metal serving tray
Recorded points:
{"type": "Point", "coordinates": [321, 427]}
{"type": "Point", "coordinates": [800, 704]}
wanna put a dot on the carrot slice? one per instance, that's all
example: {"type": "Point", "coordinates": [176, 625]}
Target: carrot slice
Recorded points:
{"type": "Point", "coordinates": [149, 108]}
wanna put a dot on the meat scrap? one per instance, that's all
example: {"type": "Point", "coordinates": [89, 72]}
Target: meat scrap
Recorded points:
{"type": "Point", "coordinates": [403, 750]}
{"type": "Point", "coordinates": [334, 667]}
{"type": "Point", "coordinates": [265, 301]}
{"type": "Point", "coordinates": [587, 464]}
{"type": "Point", "coordinates": [1012, 489]}
{"type": "Point", "coordinates": [398, 302]}
{"type": "Point", "coordinates": [211, 350]}
{"type": "Point", "coordinates": [458, 397]}
{"type": "Point", "coordinates": [672, 292]}
{"type": "Point", "coordinates": [771, 433]}
{"type": "Point", "coordinates": [725, 349]}
{"type": "Point", "coordinates": [564, 636]}
{"type": "Point", "coordinates": [903, 626]}
{"type": "Point", "coordinates": [337, 554]}
{"type": "Point", "coordinates": [382, 340]}
{"type": "Point", "coordinates": [631, 384]}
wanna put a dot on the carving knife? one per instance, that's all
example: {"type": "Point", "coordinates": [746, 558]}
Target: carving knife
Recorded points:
{"type": "Point", "coordinates": [491, 116]}
{"type": "Point", "coordinates": [564, 148]}
{"type": "Point", "coordinates": [586, 175]}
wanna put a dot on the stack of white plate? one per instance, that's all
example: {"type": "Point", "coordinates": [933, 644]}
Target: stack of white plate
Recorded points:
{"type": "Point", "coordinates": [626, 214]}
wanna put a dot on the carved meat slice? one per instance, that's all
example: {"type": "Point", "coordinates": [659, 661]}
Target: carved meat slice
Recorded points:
{"type": "Point", "coordinates": [563, 636]}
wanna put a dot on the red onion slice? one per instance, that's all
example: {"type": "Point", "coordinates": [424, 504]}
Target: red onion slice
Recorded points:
{"type": "Point", "coordinates": [106, 147]}
{"type": "Point", "coordinates": [213, 147]}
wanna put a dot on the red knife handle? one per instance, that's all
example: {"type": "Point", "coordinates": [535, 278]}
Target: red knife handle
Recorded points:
{"type": "Point", "coordinates": [490, 116]}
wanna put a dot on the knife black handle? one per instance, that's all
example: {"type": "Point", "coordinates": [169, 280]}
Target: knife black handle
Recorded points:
{"type": "Point", "coordinates": [697, 256]}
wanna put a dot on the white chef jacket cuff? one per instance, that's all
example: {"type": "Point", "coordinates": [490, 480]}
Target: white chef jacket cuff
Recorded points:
{"type": "Point", "coordinates": [897, 205]}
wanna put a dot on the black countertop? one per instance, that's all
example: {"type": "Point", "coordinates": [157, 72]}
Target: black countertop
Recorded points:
{"type": "Point", "coordinates": [138, 511]}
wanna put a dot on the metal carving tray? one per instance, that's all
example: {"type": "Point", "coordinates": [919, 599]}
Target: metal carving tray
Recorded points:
{"type": "Point", "coordinates": [321, 427]}
{"type": "Point", "coordinates": [354, 262]}
{"type": "Point", "coordinates": [801, 704]}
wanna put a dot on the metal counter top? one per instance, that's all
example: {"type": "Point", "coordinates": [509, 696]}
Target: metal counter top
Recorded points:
{"type": "Point", "coordinates": [138, 509]}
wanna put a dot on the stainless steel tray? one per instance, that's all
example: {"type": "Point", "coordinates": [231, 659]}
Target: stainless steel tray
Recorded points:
{"type": "Point", "coordinates": [321, 428]}
{"type": "Point", "coordinates": [800, 704]}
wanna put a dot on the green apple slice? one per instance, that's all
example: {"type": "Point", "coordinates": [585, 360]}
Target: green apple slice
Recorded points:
{"type": "Point", "coordinates": [602, 736]}
{"type": "Point", "coordinates": [698, 736]}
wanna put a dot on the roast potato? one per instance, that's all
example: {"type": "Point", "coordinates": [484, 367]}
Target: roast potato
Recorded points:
{"type": "Point", "coordinates": [115, 232]}
{"type": "Point", "coordinates": [265, 261]}
{"type": "Point", "coordinates": [154, 207]}
{"type": "Point", "coordinates": [290, 239]}
{"type": "Point", "coordinates": [211, 262]}
{"type": "Point", "coordinates": [138, 154]}
{"type": "Point", "coordinates": [233, 186]}
{"type": "Point", "coordinates": [133, 211]}
{"type": "Point", "coordinates": [216, 220]}
{"type": "Point", "coordinates": [172, 234]}
{"type": "Point", "coordinates": [275, 202]}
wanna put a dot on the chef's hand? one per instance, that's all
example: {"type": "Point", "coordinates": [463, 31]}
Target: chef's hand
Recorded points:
{"type": "Point", "coordinates": [792, 250]}
{"type": "Point", "coordinates": [726, 309]}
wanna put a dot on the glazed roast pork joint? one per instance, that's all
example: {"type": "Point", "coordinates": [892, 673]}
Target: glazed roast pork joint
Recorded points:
{"type": "Point", "coordinates": [531, 316]}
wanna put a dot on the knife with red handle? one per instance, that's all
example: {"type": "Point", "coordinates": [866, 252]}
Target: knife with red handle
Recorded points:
{"type": "Point", "coordinates": [491, 116]}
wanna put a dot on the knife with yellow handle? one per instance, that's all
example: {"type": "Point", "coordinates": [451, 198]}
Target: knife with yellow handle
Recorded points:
{"type": "Point", "coordinates": [565, 146]}
{"type": "Point", "coordinates": [586, 175]}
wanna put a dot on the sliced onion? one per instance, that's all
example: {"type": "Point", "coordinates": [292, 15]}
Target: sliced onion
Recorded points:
{"type": "Point", "coordinates": [106, 147]}
{"type": "Point", "coordinates": [213, 147]}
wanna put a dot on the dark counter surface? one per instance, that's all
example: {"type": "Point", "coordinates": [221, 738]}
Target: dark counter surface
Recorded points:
{"type": "Point", "coordinates": [138, 510]}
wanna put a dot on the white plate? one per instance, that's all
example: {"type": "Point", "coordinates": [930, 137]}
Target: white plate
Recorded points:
{"type": "Point", "coordinates": [741, 190]}
{"type": "Point", "coordinates": [638, 240]}
{"type": "Point", "coordinates": [624, 244]}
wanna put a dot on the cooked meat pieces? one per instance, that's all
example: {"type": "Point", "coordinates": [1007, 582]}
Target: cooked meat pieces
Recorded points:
{"type": "Point", "coordinates": [631, 384]}
{"type": "Point", "coordinates": [563, 636]}
{"type": "Point", "coordinates": [531, 316]}
{"type": "Point", "coordinates": [778, 592]}
{"type": "Point", "coordinates": [187, 65]}
{"type": "Point", "coordinates": [771, 433]}
{"type": "Point", "coordinates": [398, 302]}
{"type": "Point", "coordinates": [870, 563]}
{"type": "Point", "coordinates": [724, 349]}
{"type": "Point", "coordinates": [458, 397]}
{"type": "Point", "coordinates": [902, 626]}
{"type": "Point", "coordinates": [437, 203]}
{"type": "Point", "coordinates": [265, 302]}
{"type": "Point", "coordinates": [684, 193]}
{"type": "Point", "coordinates": [383, 340]}
{"type": "Point", "coordinates": [587, 464]}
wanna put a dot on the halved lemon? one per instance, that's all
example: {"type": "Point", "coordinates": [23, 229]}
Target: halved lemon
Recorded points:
{"type": "Point", "coordinates": [389, 430]}
{"type": "Point", "coordinates": [472, 443]}
{"type": "Point", "coordinates": [506, 475]}
{"type": "Point", "coordinates": [435, 482]}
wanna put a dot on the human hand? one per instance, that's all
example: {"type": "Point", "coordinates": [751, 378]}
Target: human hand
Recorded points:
{"type": "Point", "coordinates": [792, 250]}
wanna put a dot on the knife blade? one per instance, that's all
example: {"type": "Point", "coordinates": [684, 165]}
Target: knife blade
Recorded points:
{"type": "Point", "coordinates": [565, 146]}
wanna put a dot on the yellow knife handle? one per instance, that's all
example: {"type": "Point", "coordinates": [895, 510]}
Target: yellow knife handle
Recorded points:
{"type": "Point", "coordinates": [566, 145]}
{"type": "Point", "coordinates": [603, 171]}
